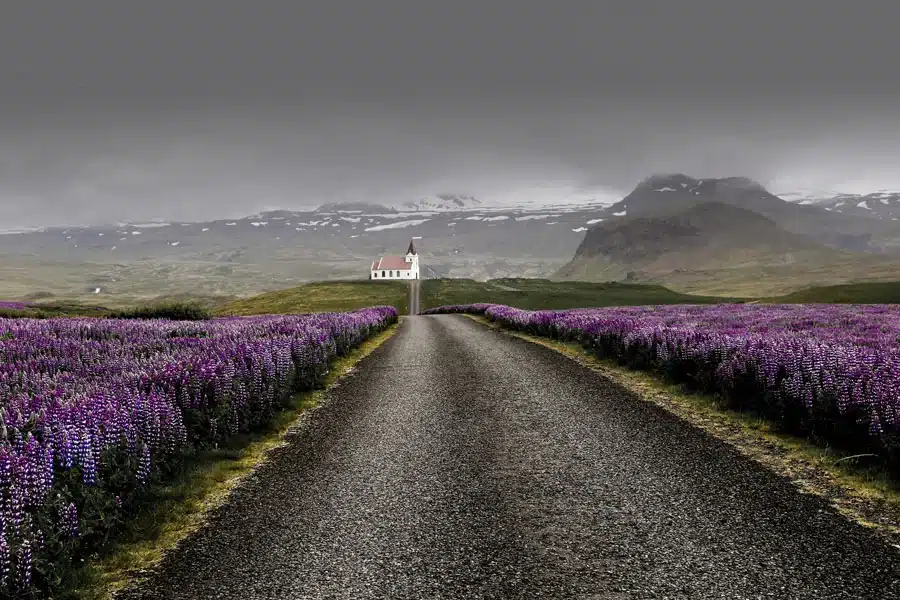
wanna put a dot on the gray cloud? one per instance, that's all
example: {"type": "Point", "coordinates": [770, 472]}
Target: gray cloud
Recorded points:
{"type": "Point", "coordinates": [114, 110]}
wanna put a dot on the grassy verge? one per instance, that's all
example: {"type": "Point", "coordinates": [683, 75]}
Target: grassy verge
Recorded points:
{"type": "Point", "coordinates": [864, 493]}
{"type": "Point", "coordinates": [181, 507]}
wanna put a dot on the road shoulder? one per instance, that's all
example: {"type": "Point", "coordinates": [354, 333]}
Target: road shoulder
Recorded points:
{"type": "Point", "coordinates": [866, 498]}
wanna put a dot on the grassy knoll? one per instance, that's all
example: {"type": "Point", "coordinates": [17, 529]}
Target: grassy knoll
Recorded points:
{"type": "Point", "coordinates": [533, 294]}
{"type": "Point", "coordinates": [323, 296]}
{"type": "Point", "coordinates": [181, 505]}
{"type": "Point", "coordinates": [863, 491]}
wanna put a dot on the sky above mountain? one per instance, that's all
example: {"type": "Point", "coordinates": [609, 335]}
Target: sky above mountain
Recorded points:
{"type": "Point", "coordinates": [188, 110]}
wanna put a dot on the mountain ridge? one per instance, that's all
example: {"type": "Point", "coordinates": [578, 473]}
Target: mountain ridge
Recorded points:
{"type": "Point", "coordinates": [278, 248]}
{"type": "Point", "coordinates": [711, 245]}
{"type": "Point", "coordinates": [671, 193]}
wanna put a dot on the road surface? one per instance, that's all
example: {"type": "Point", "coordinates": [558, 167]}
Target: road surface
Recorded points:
{"type": "Point", "coordinates": [458, 462]}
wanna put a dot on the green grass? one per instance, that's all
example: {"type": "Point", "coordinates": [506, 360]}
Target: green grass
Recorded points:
{"type": "Point", "coordinates": [179, 507]}
{"type": "Point", "coordinates": [324, 296]}
{"type": "Point", "coordinates": [534, 294]}
{"type": "Point", "coordinates": [886, 292]}
{"type": "Point", "coordinates": [179, 311]}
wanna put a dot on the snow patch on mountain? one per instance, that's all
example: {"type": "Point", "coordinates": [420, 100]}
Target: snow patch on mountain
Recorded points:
{"type": "Point", "coordinates": [397, 225]}
{"type": "Point", "coordinates": [147, 225]}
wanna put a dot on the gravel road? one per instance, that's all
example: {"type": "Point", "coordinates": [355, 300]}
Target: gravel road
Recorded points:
{"type": "Point", "coordinates": [458, 462]}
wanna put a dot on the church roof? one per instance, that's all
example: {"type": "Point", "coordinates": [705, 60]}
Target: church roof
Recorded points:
{"type": "Point", "coordinates": [393, 263]}
{"type": "Point", "coordinates": [411, 249]}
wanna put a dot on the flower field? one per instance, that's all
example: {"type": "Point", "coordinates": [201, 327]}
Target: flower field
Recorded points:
{"type": "Point", "coordinates": [92, 411]}
{"type": "Point", "coordinates": [8, 305]}
{"type": "Point", "coordinates": [829, 372]}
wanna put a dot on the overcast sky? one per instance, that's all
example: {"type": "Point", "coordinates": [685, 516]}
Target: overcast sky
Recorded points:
{"type": "Point", "coordinates": [185, 110]}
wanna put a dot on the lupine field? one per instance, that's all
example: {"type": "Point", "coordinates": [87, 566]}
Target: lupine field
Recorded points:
{"type": "Point", "coordinates": [9, 305]}
{"type": "Point", "coordinates": [93, 411]}
{"type": "Point", "coordinates": [829, 372]}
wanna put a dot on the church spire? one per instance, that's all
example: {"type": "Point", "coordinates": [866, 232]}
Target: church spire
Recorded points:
{"type": "Point", "coordinates": [411, 249]}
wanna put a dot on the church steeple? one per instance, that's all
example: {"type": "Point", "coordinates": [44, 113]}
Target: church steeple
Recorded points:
{"type": "Point", "coordinates": [411, 249]}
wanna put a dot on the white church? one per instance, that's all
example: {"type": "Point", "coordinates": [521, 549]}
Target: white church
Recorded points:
{"type": "Point", "coordinates": [397, 267]}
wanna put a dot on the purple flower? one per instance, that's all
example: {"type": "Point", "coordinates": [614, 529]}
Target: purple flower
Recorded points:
{"type": "Point", "coordinates": [75, 392]}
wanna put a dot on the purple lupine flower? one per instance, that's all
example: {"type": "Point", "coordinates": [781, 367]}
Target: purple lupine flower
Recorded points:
{"type": "Point", "coordinates": [76, 390]}
{"type": "Point", "coordinates": [5, 562]}
{"type": "Point", "coordinates": [24, 565]}
{"type": "Point", "coordinates": [68, 520]}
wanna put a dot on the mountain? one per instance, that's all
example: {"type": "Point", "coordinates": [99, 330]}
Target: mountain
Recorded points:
{"type": "Point", "coordinates": [503, 237]}
{"type": "Point", "coordinates": [714, 247]}
{"type": "Point", "coordinates": [704, 236]}
{"type": "Point", "coordinates": [667, 194]}
{"type": "Point", "coordinates": [353, 207]}
{"type": "Point", "coordinates": [442, 203]}
{"type": "Point", "coordinates": [276, 249]}
{"type": "Point", "coordinates": [436, 203]}
{"type": "Point", "coordinates": [884, 205]}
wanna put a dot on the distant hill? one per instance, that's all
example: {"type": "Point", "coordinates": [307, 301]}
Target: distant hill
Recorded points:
{"type": "Point", "coordinates": [435, 203]}
{"type": "Point", "coordinates": [668, 194]}
{"type": "Point", "coordinates": [135, 262]}
{"type": "Point", "coordinates": [707, 247]}
{"type": "Point", "coordinates": [884, 205]}
{"type": "Point", "coordinates": [708, 235]}
{"type": "Point", "coordinates": [354, 207]}
{"type": "Point", "coordinates": [442, 203]}
{"type": "Point", "coordinates": [271, 250]}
